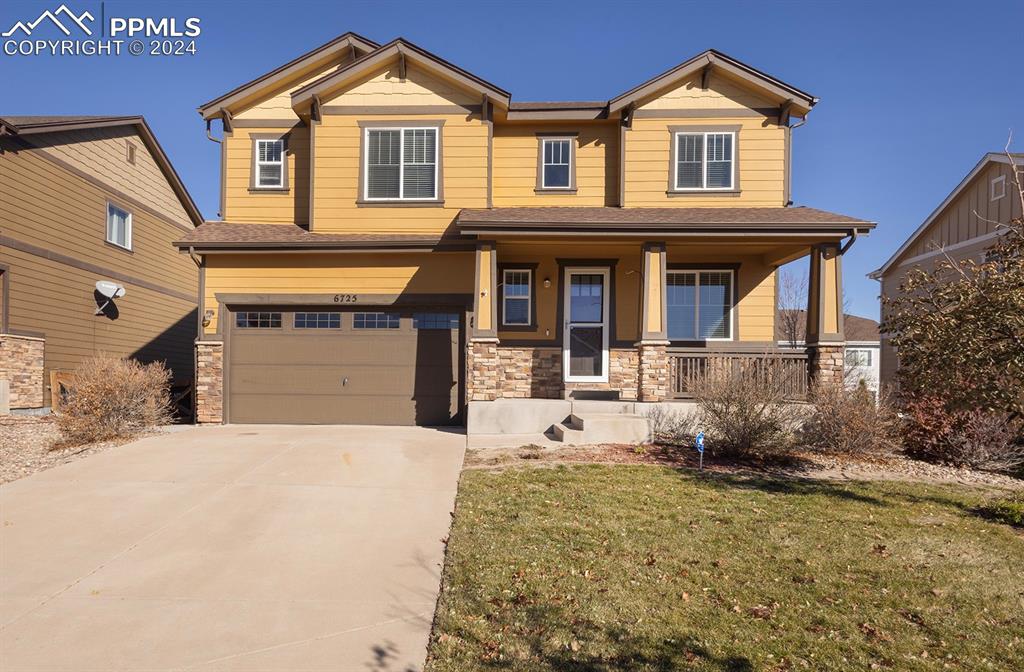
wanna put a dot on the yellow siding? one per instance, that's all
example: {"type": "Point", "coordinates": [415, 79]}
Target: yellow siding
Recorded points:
{"type": "Point", "coordinates": [267, 207]}
{"type": "Point", "coordinates": [722, 93]}
{"type": "Point", "coordinates": [427, 273]}
{"type": "Point", "coordinates": [277, 104]}
{"type": "Point", "coordinates": [761, 158]}
{"type": "Point", "coordinates": [515, 165]}
{"type": "Point", "coordinates": [418, 88]}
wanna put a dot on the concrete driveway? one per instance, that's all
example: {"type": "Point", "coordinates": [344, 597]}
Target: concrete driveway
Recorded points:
{"type": "Point", "coordinates": [230, 548]}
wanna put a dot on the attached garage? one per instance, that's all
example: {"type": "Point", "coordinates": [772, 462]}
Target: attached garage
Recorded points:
{"type": "Point", "coordinates": [381, 366]}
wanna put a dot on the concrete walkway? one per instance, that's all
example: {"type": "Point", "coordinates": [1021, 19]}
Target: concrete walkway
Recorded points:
{"type": "Point", "coordinates": [230, 548]}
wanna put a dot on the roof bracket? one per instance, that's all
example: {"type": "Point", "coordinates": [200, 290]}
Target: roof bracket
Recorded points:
{"type": "Point", "coordinates": [315, 112]}
{"type": "Point", "coordinates": [784, 112]}
{"type": "Point", "coordinates": [227, 120]}
{"type": "Point", "coordinates": [627, 115]}
{"type": "Point", "coordinates": [485, 109]}
{"type": "Point", "coordinates": [705, 75]}
{"type": "Point", "coordinates": [401, 65]}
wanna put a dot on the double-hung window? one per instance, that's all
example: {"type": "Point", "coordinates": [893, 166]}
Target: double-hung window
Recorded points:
{"type": "Point", "coordinates": [704, 161]}
{"type": "Point", "coordinates": [556, 163]}
{"type": "Point", "coordinates": [119, 226]}
{"type": "Point", "coordinates": [269, 164]}
{"type": "Point", "coordinates": [401, 164]}
{"type": "Point", "coordinates": [515, 308]}
{"type": "Point", "coordinates": [700, 305]}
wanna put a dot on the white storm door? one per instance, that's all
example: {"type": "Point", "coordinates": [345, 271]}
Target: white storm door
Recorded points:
{"type": "Point", "coordinates": [585, 332]}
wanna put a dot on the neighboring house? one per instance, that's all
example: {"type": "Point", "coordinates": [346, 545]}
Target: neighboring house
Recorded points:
{"type": "Point", "coordinates": [962, 227]}
{"type": "Point", "coordinates": [401, 241]}
{"type": "Point", "coordinates": [862, 346]}
{"type": "Point", "coordinates": [82, 200]}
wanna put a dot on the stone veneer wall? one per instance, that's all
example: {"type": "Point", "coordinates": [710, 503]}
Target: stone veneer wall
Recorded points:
{"type": "Point", "coordinates": [654, 372]}
{"type": "Point", "coordinates": [482, 369]}
{"type": "Point", "coordinates": [21, 363]}
{"type": "Point", "coordinates": [529, 373]}
{"type": "Point", "coordinates": [826, 363]}
{"type": "Point", "coordinates": [209, 382]}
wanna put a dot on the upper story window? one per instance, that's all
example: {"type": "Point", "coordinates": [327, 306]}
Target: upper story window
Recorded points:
{"type": "Point", "coordinates": [704, 161]}
{"type": "Point", "coordinates": [401, 164]}
{"type": "Point", "coordinates": [129, 152]}
{"type": "Point", "coordinates": [269, 170]}
{"type": "Point", "coordinates": [997, 188]}
{"type": "Point", "coordinates": [516, 297]}
{"type": "Point", "coordinates": [700, 305]}
{"type": "Point", "coordinates": [119, 226]}
{"type": "Point", "coordinates": [556, 169]}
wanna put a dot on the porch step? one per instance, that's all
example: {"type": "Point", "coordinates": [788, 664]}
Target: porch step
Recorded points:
{"type": "Point", "coordinates": [584, 428]}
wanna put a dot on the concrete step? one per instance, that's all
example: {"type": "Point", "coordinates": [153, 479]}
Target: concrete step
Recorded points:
{"type": "Point", "coordinates": [602, 428]}
{"type": "Point", "coordinates": [597, 406]}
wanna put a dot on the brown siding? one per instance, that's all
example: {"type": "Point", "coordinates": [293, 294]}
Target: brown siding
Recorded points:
{"type": "Point", "coordinates": [54, 230]}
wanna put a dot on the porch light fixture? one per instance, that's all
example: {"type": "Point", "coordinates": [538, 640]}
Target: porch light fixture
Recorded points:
{"type": "Point", "coordinates": [547, 283]}
{"type": "Point", "coordinates": [207, 318]}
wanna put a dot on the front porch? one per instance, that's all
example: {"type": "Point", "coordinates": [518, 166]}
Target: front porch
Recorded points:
{"type": "Point", "coordinates": [642, 320]}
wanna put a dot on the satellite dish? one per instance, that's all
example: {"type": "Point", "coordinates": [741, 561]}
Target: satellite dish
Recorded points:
{"type": "Point", "coordinates": [111, 290]}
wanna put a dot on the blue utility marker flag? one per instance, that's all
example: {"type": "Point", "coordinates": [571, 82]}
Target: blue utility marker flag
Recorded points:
{"type": "Point", "coordinates": [699, 442]}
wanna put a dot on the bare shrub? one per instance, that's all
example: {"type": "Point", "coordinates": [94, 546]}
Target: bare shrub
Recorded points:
{"type": "Point", "coordinates": [744, 408]}
{"type": "Point", "coordinates": [671, 427]}
{"type": "Point", "coordinates": [114, 397]}
{"type": "Point", "coordinates": [976, 438]}
{"type": "Point", "coordinates": [850, 422]}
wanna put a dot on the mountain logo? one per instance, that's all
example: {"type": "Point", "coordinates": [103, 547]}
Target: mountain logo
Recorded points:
{"type": "Point", "coordinates": [63, 10]}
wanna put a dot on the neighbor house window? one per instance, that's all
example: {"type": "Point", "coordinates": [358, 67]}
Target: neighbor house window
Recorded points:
{"type": "Point", "coordinates": [435, 321]}
{"type": "Point", "coordinates": [704, 161]}
{"type": "Point", "coordinates": [318, 320]}
{"type": "Point", "coordinates": [129, 149]}
{"type": "Point", "coordinates": [375, 320]}
{"type": "Point", "coordinates": [997, 188]}
{"type": "Point", "coordinates": [515, 309]}
{"type": "Point", "coordinates": [401, 163]}
{"type": "Point", "coordinates": [270, 164]}
{"type": "Point", "coordinates": [700, 305]}
{"type": "Point", "coordinates": [858, 358]}
{"type": "Point", "coordinates": [556, 163]}
{"type": "Point", "coordinates": [258, 320]}
{"type": "Point", "coordinates": [119, 226]}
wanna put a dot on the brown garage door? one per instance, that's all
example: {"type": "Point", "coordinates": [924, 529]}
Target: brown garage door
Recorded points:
{"type": "Point", "coordinates": [387, 367]}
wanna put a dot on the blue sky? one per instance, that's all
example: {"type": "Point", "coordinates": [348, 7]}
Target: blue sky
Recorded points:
{"type": "Point", "coordinates": [912, 94]}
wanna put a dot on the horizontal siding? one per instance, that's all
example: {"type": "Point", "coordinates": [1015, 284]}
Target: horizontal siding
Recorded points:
{"type": "Point", "coordinates": [241, 205]}
{"type": "Point", "coordinates": [45, 205]}
{"type": "Point", "coordinates": [419, 87]}
{"type": "Point", "coordinates": [427, 273]}
{"type": "Point", "coordinates": [57, 300]}
{"type": "Point", "coordinates": [723, 93]}
{"type": "Point", "coordinates": [761, 155]}
{"type": "Point", "coordinates": [102, 152]}
{"type": "Point", "coordinates": [515, 165]}
{"type": "Point", "coordinates": [276, 103]}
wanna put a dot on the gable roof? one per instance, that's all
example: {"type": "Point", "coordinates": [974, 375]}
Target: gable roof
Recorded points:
{"type": "Point", "coordinates": [988, 159]}
{"type": "Point", "coordinates": [402, 48]}
{"type": "Point", "coordinates": [32, 125]}
{"type": "Point", "coordinates": [715, 60]}
{"type": "Point", "coordinates": [347, 41]}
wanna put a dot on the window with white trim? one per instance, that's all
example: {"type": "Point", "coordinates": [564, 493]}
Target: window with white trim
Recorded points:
{"type": "Point", "coordinates": [997, 188]}
{"type": "Point", "coordinates": [401, 164]}
{"type": "Point", "coordinates": [700, 305]}
{"type": "Point", "coordinates": [119, 226]}
{"type": "Point", "coordinates": [705, 161]}
{"type": "Point", "coordinates": [858, 357]}
{"type": "Point", "coordinates": [515, 309]}
{"type": "Point", "coordinates": [270, 164]}
{"type": "Point", "coordinates": [556, 171]}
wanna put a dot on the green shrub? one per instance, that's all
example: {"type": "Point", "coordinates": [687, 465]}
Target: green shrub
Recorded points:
{"type": "Point", "coordinates": [974, 438]}
{"type": "Point", "coordinates": [1009, 510]}
{"type": "Point", "coordinates": [112, 397]}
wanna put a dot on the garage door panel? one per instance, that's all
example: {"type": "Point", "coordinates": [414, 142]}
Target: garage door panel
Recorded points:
{"type": "Point", "coordinates": [399, 376]}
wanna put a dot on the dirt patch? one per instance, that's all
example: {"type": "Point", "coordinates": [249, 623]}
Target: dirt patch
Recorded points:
{"type": "Point", "coordinates": [29, 444]}
{"type": "Point", "coordinates": [795, 465]}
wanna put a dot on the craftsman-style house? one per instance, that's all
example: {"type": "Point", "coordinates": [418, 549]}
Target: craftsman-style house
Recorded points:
{"type": "Point", "coordinates": [403, 243]}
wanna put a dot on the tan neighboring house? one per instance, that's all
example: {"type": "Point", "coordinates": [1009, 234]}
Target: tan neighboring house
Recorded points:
{"type": "Point", "coordinates": [961, 227]}
{"type": "Point", "coordinates": [401, 242]}
{"type": "Point", "coordinates": [84, 200]}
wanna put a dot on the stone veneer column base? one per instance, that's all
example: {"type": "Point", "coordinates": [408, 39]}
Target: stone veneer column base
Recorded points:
{"type": "Point", "coordinates": [21, 364]}
{"type": "Point", "coordinates": [209, 382]}
{"type": "Point", "coordinates": [826, 363]}
{"type": "Point", "coordinates": [482, 369]}
{"type": "Point", "coordinates": [654, 371]}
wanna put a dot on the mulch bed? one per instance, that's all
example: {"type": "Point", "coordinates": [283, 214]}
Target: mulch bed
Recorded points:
{"type": "Point", "coordinates": [32, 443]}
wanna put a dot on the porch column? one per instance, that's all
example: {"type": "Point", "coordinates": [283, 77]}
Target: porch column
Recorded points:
{"type": "Point", "coordinates": [653, 345]}
{"type": "Point", "coordinates": [482, 344]}
{"type": "Point", "coordinates": [209, 382]}
{"type": "Point", "coordinates": [826, 340]}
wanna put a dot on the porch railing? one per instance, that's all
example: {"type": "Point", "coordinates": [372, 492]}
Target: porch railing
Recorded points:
{"type": "Point", "coordinates": [784, 368]}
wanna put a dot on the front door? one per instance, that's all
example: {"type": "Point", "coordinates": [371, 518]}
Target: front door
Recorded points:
{"type": "Point", "coordinates": [585, 335]}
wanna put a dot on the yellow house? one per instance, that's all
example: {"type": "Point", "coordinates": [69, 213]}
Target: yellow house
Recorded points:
{"type": "Point", "coordinates": [402, 243]}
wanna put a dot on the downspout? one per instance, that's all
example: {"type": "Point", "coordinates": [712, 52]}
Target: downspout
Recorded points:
{"type": "Point", "coordinates": [200, 265]}
{"type": "Point", "coordinates": [849, 243]}
{"type": "Point", "coordinates": [789, 158]}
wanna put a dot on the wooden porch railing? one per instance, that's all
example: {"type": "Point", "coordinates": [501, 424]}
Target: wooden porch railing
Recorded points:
{"type": "Point", "coordinates": [785, 368]}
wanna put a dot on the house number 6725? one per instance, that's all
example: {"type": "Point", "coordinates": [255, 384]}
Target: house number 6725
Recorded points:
{"type": "Point", "coordinates": [346, 298]}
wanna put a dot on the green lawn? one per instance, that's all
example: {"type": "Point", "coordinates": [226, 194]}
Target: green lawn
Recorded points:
{"type": "Point", "coordinates": [591, 567]}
